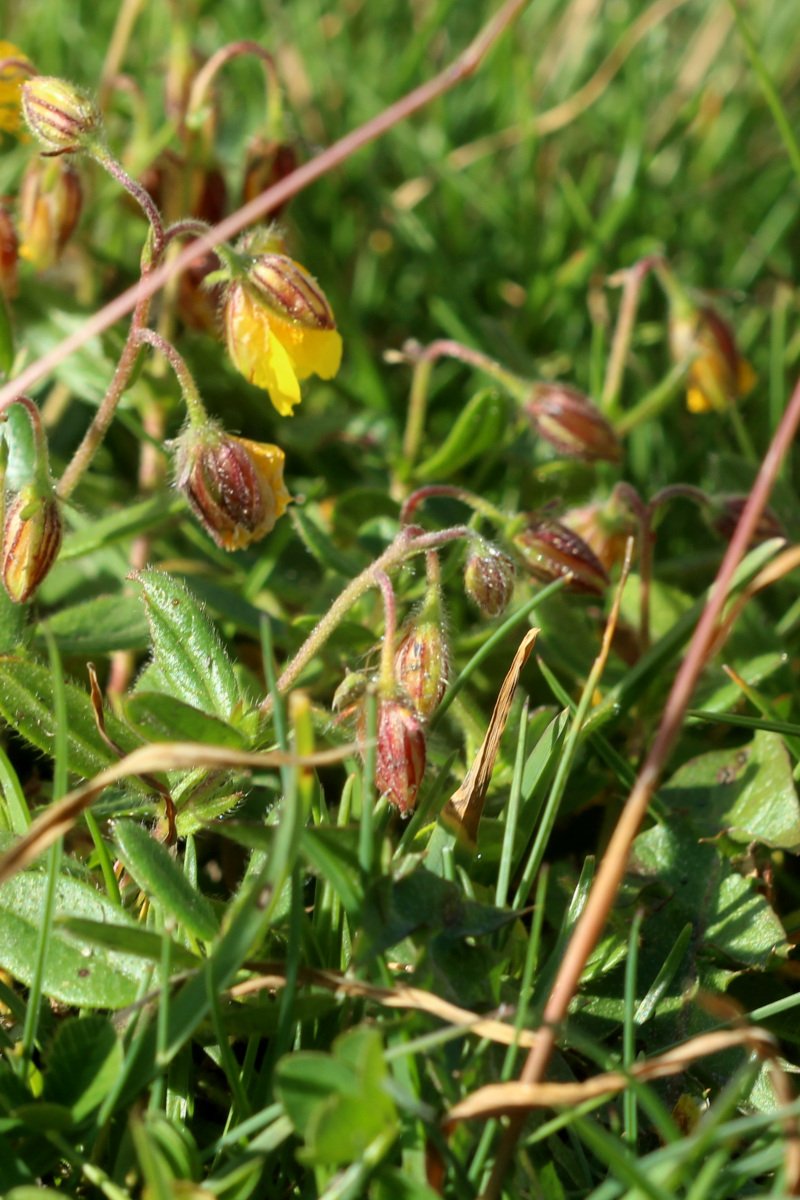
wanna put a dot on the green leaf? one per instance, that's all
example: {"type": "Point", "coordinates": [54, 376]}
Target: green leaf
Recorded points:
{"type": "Point", "coordinates": [73, 974]}
{"type": "Point", "coordinates": [13, 619]}
{"type": "Point", "coordinates": [747, 793]}
{"type": "Point", "coordinates": [27, 704]}
{"type": "Point", "coordinates": [696, 883]}
{"type": "Point", "coordinates": [338, 1103]}
{"type": "Point", "coordinates": [305, 1079]}
{"type": "Point", "coordinates": [83, 1064]}
{"type": "Point", "coordinates": [158, 874]}
{"type": "Point", "coordinates": [422, 900]}
{"type": "Point", "coordinates": [478, 429]}
{"type": "Point", "coordinates": [161, 718]}
{"type": "Point", "coordinates": [186, 646]}
{"type": "Point", "coordinates": [98, 626]}
{"type": "Point", "coordinates": [129, 939]}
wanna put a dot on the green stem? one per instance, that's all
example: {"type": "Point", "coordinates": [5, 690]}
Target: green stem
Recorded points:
{"type": "Point", "coordinates": [194, 405]}
{"type": "Point", "coordinates": [656, 400]}
{"type": "Point", "coordinates": [407, 543]}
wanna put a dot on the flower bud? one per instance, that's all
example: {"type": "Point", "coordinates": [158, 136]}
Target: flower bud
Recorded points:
{"type": "Point", "coordinates": [718, 374]}
{"type": "Point", "coordinates": [568, 420]}
{"type": "Point", "coordinates": [31, 540]}
{"type": "Point", "coordinates": [400, 758]}
{"type": "Point", "coordinates": [489, 579]}
{"type": "Point", "coordinates": [234, 486]}
{"type": "Point", "coordinates": [550, 551]}
{"type": "Point", "coordinates": [63, 118]}
{"type": "Point", "coordinates": [604, 527]}
{"type": "Point", "coordinates": [724, 516]}
{"type": "Point", "coordinates": [421, 663]}
{"type": "Point", "coordinates": [17, 69]}
{"type": "Point", "coordinates": [349, 695]}
{"type": "Point", "coordinates": [267, 162]}
{"type": "Point", "coordinates": [290, 291]}
{"type": "Point", "coordinates": [9, 255]}
{"type": "Point", "coordinates": [50, 202]}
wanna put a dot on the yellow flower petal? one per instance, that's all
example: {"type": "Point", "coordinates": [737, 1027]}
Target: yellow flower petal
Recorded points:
{"type": "Point", "coordinates": [11, 81]}
{"type": "Point", "coordinates": [313, 351]}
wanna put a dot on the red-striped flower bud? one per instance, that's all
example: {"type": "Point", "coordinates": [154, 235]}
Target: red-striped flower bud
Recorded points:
{"type": "Point", "coordinates": [50, 202]}
{"type": "Point", "coordinates": [489, 579]}
{"type": "Point", "coordinates": [63, 118]}
{"type": "Point", "coordinates": [31, 541]}
{"type": "Point", "coordinates": [234, 486]}
{"type": "Point", "coordinates": [551, 551]}
{"type": "Point", "coordinates": [724, 515]}
{"type": "Point", "coordinates": [400, 758]}
{"type": "Point", "coordinates": [604, 527]}
{"type": "Point", "coordinates": [568, 420]}
{"type": "Point", "coordinates": [290, 291]}
{"type": "Point", "coordinates": [421, 662]}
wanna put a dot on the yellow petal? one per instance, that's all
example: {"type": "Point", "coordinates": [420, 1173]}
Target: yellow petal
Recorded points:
{"type": "Point", "coordinates": [275, 372]}
{"type": "Point", "coordinates": [697, 401]}
{"type": "Point", "coordinates": [11, 81]}
{"type": "Point", "coordinates": [313, 351]}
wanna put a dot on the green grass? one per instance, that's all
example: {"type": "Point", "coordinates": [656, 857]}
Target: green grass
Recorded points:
{"type": "Point", "coordinates": [228, 1014]}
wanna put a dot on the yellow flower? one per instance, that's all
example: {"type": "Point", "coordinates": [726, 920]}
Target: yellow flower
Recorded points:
{"type": "Point", "coordinates": [11, 81]}
{"type": "Point", "coordinates": [234, 486]}
{"type": "Point", "coordinates": [718, 374]}
{"type": "Point", "coordinates": [280, 329]}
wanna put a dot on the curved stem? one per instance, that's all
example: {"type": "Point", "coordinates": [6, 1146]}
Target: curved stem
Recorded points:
{"type": "Point", "coordinates": [477, 503]}
{"type": "Point", "coordinates": [408, 542]}
{"type": "Point", "coordinates": [423, 358]}
{"type": "Point", "coordinates": [194, 405]}
{"type": "Point", "coordinates": [142, 197]}
{"type": "Point", "coordinates": [632, 278]}
{"type": "Point", "coordinates": [225, 54]}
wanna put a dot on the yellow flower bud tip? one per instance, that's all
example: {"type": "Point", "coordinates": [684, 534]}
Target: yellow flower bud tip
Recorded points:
{"type": "Point", "coordinates": [718, 374]}
{"type": "Point", "coordinates": [234, 486]}
{"type": "Point", "coordinates": [61, 116]}
{"type": "Point", "coordinates": [31, 541]}
{"type": "Point", "coordinates": [275, 352]}
{"type": "Point", "coordinates": [50, 203]}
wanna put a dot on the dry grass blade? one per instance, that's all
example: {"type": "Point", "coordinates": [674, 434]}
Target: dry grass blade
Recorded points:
{"type": "Point", "coordinates": [57, 820]}
{"type": "Point", "coordinates": [500, 1099]}
{"type": "Point", "coordinates": [466, 804]}
{"type": "Point", "coordinates": [490, 1028]}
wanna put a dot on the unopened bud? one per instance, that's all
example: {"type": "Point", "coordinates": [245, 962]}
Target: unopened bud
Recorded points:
{"type": "Point", "coordinates": [9, 254]}
{"type": "Point", "coordinates": [551, 551]}
{"type": "Point", "coordinates": [267, 162]}
{"type": "Point", "coordinates": [421, 664]}
{"type": "Point", "coordinates": [400, 757]}
{"type": "Point", "coordinates": [348, 696]}
{"type": "Point", "coordinates": [489, 579]}
{"type": "Point", "coordinates": [50, 202]}
{"type": "Point", "coordinates": [63, 118]}
{"type": "Point", "coordinates": [568, 420]}
{"type": "Point", "coordinates": [718, 374]}
{"type": "Point", "coordinates": [31, 540]}
{"type": "Point", "coordinates": [234, 486]}
{"type": "Point", "coordinates": [724, 516]}
{"type": "Point", "coordinates": [604, 527]}
{"type": "Point", "coordinates": [290, 291]}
